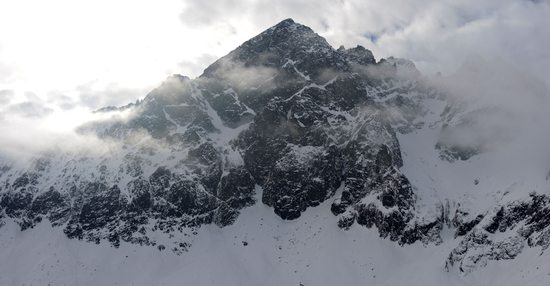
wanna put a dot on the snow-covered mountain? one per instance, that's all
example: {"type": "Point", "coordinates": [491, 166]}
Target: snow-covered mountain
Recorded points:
{"type": "Point", "coordinates": [289, 162]}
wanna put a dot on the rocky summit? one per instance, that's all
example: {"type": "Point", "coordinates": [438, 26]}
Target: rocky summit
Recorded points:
{"type": "Point", "coordinates": [286, 121]}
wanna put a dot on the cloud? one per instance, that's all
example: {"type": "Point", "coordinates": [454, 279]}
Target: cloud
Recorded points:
{"type": "Point", "coordinates": [6, 72]}
{"type": "Point", "coordinates": [6, 95]}
{"type": "Point", "coordinates": [32, 124]}
{"type": "Point", "coordinates": [29, 105]}
{"type": "Point", "coordinates": [494, 105]}
{"type": "Point", "coordinates": [30, 109]}
{"type": "Point", "coordinates": [197, 65]}
{"type": "Point", "coordinates": [31, 129]}
{"type": "Point", "coordinates": [64, 102]}
{"type": "Point", "coordinates": [233, 14]}
{"type": "Point", "coordinates": [240, 76]}
{"type": "Point", "coordinates": [24, 138]}
{"type": "Point", "coordinates": [436, 35]}
{"type": "Point", "coordinates": [93, 95]}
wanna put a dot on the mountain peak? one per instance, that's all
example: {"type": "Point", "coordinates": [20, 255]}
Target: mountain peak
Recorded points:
{"type": "Point", "coordinates": [290, 27]}
{"type": "Point", "coordinates": [287, 41]}
{"type": "Point", "coordinates": [284, 31]}
{"type": "Point", "coordinates": [289, 22]}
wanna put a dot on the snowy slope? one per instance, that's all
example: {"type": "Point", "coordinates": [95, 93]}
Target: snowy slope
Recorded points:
{"type": "Point", "coordinates": [311, 251]}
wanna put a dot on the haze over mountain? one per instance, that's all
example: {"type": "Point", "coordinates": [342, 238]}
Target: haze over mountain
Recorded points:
{"type": "Point", "coordinates": [290, 162]}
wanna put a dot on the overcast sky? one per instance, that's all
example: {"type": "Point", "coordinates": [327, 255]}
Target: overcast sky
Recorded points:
{"type": "Point", "coordinates": [70, 55]}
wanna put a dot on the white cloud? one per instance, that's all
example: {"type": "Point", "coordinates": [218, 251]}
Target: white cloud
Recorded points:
{"type": "Point", "coordinates": [60, 44]}
{"type": "Point", "coordinates": [437, 35]}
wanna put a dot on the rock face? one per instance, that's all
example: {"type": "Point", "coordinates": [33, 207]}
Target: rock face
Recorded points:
{"type": "Point", "coordinates": [284, 114]}
{"type": "Point", "coordinates": [504, 233]}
